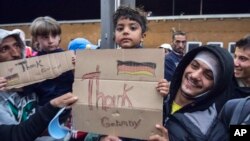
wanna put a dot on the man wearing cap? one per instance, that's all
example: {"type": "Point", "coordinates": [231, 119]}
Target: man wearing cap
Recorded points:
{"type": "Point", "coordinates": [190, 112]}
{"type": "Point", "coordinates": [19, 120]}
{"type": "Point", "coordinates": [167, 48]}
{"type": "Point", "coordinates": [173, 58]}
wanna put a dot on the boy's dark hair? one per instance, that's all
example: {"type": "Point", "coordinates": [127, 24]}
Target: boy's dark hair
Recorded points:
{"type": "Point", "coordinates": [243, 43]}
{"type": "Point", "coordinates": [137, 15]}
{"type": "Point", "coordinates": [43, 26]}
{"type": "Point", "coordinates": [178, 33]}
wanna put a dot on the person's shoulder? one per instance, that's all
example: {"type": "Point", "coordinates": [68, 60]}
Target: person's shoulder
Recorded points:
{"type": "Point", "coordinates": [234, 102]}
{"type": "Point", "coordinates": [169, 55]}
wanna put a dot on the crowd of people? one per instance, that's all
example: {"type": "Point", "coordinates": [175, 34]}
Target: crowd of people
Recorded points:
{"type": "Point", "coordinates": [202, 89]}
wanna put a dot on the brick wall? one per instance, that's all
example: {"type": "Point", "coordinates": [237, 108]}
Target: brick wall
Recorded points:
{"type": "Point", "coordinates": [224, 30]}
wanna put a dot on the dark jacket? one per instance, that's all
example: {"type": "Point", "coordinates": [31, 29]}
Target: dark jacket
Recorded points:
{"type": "Point", "coordinates": [55, 87]}
{"type": "Point", "coordinates": [236, 111]}
{"type": "Point", "coordinates": [171, 61]}
{"type": "Point", "coordinates": [232, 92]}
{"type": "Point", "coordinates": [30, 129]}
{"type": "Point", "coordinates": [198, 121]}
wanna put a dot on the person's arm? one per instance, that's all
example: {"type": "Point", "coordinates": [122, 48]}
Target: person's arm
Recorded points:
{"type": "Point", "coordinates": [32, 128]}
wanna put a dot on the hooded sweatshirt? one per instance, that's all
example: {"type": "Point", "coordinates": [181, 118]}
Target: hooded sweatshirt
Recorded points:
{"type": "Point", "coordinates": [198, 121]}
{"type": "Point", "coordinates": [20, 118]}
{"type": "Point", "coordinates": [15, 106]}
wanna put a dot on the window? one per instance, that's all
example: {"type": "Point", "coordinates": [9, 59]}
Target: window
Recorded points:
{"type": "Point", "coordinates": [219, 44]}
{"type": "Point", "coordinates": [231, 47]}
{"type": "Point", "coordinates": [192, 44]}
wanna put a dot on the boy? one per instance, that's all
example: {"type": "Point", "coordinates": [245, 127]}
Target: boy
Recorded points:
{"type": "Point", "coordinates": [190, 108]}
{"type": "Point", "coordinates": [130, 26]}
{"type": "Point", "coordinates": [20, 119]}
{"type": "Point", "coordinates": [130, 29]}
{"type": "Point", "coordinates": [46, 33]}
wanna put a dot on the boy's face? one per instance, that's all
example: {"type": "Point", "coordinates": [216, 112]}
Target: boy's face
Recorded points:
{"type": "Point", "coordinates": [10, 49]}
{"type": "Point", "coordinates": [242, 63]}
{"type": "Point", "coordinates": [197, 79]}
{"type": "Point", "coordinates": [128, 33]}
{"type": "Point", "coordinates": [48, 43]}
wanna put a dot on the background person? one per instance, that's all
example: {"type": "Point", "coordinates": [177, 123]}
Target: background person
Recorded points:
{"type": "Point", "coordinates": [167, 48]}
{"type": "Point", "coordinates": [172, 59]}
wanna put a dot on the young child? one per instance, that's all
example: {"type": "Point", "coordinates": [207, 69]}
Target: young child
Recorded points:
{"type": "Point", "coordinates": [45, 32]}
{"type": "Point", "coordinates": [130, 26]}
{"type": "Point", "coordinates": [130, 29]}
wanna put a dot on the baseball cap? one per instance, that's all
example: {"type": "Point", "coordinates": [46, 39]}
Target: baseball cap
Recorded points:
{"type": "Point", "coordinates": [166, 46]}
{"type": "Point", "coordinates": [81, 43]}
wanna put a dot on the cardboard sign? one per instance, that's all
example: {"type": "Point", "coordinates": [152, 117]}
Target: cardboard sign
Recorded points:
{"type": "Point", "coordinates": [117, 91]}
{"type": "Point", "coordinates": [24, 72]}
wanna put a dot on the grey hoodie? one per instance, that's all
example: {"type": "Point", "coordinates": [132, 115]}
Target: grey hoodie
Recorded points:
{"type": "Point", "coordinates": [21, 119]}
{"type": "Point", "coordinates": [15, 107]}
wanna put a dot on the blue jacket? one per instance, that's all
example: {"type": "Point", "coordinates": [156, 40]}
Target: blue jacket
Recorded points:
{"type": "Point", "coordinates": [236, 112]}
{"type": "Point", "coordinates": [172, 59]}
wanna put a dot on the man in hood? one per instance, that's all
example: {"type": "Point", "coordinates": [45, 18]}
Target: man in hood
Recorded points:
{"type": "Point", "coordinates": [190, 108]}
{"type": "Point", "coordinates": [11, 46]}
{"type": "Point", "coordinates": [20, 120]}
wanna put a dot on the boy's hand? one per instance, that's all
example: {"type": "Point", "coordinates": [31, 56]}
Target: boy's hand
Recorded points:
{"type": "Point", "coordinates": [65, 100]}
{"type": "Point", "coordinates": [164, 134]}
{"type": "Point", "coordinates": [3, 83]}
{"type": "Point", "coordinates": [163, 87]}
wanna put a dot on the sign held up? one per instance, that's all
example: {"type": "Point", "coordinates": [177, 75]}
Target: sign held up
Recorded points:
{"type": "Point", "coordinates": [116, 91]}
{"type": "Point", "coordinates": [27, 71]}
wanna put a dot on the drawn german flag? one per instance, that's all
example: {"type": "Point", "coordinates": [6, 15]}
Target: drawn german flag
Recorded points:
{"type": "Point", "coordinates": [136, 68]}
